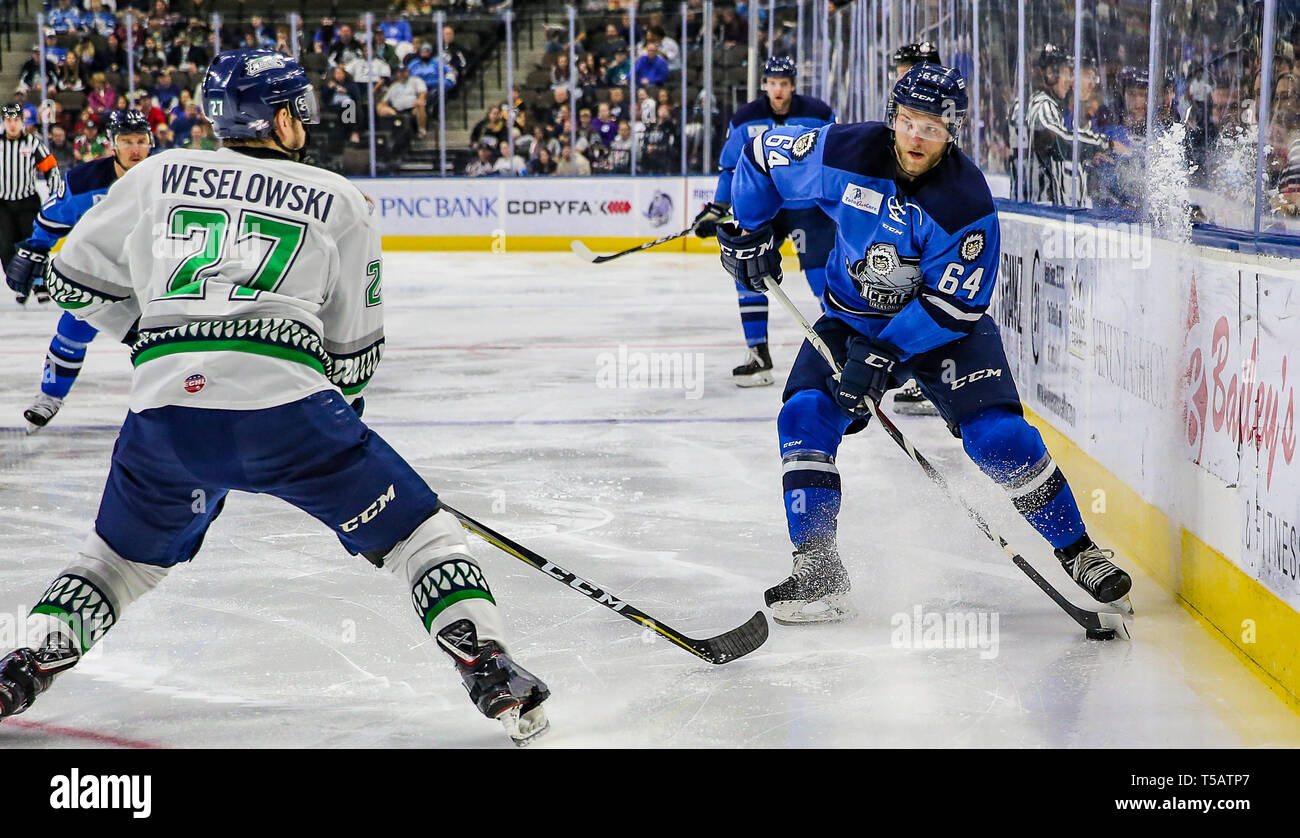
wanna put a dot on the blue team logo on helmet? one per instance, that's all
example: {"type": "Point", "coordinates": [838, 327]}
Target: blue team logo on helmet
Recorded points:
{"type": "Point", "coordinates": [127, 122]}
{"type": "Point", "coordinates": [244, 88]}
{"type": "Point", "coordinates": [932, 89]}
{"type": "Point", "coordinates": [779, 67]}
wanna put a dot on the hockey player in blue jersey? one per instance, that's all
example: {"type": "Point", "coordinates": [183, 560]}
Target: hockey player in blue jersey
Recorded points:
{"type": "Point", "coordinates": [812, 232]}
{"type": "Point", "coordinates": [909, 281]}
{"type": "Point", "coordinates": [131, 139]}
{"type": "Point", "coordinates": [255, 283]}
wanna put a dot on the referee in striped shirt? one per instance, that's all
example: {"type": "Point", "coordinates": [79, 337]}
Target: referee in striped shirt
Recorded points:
{"type": "Point", "coordinates": [23, 158]}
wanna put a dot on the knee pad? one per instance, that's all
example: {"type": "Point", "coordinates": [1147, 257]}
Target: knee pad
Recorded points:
{"type": "Point", "coordinates": [811, 421]}
{"type": "Point", "coordinates": [1001, 442]}
{"type": "Point", "coordinates": [446, 583]}
{"type": "Point", "coordinates": [89, 595]}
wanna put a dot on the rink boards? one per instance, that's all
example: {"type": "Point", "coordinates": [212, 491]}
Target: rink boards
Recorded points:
{"type": "Point", "coordinates": [1161, 375]}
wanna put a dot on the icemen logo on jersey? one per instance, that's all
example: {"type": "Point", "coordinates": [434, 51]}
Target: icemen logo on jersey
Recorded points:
{"type": "Point", "coordinates": [972, 245]}
{"type": "Point", "coordinates": [885, 280]}
{"type": "Point", "coordinates": [660, 210]}
{"type": "Point", "coordinates": [804, 145]}
{"type": "Point", "coordinates": [863, 198]}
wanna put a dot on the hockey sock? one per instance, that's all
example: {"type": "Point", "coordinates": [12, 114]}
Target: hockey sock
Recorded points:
{"type": "Point", "coordinates": [810, 427]}
{"type": "Point", "coordinates": [88, 597]}
{"type": "Point", "coordinates": [1011, 451]}
{"type": "Point", "coordinates": [446, 583]}
{"type": "Point", "coordinates": [753, 315]}
{"type": "Point", "coordinates": [65, 356]}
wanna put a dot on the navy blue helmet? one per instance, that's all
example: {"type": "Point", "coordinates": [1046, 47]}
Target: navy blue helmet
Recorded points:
{"type": "Point", "coordinates": [127, 122]}
{"type": "Point", "coordinates": [911, 54]}
{"type": "Point", "coordinates": [245, 87]}
{"type": "Point", "coordinates": [779, 67]}
{"type": "Point", "coordinates": [932, 89]}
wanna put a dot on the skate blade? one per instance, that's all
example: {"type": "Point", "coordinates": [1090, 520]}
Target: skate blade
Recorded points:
{"type": "Point", "coordinates": [758, 379]}
{"type": "Point", "coordinates": [1124, 605]}
{"type": "Point", "coordinates": [33, 428]}
{"type": "Point", "coordinates": [524, 729]}
{"type": "Point", "coordinates": [795, 612]}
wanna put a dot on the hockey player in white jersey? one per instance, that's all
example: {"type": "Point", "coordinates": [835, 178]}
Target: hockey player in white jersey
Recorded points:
{"type": "Point", "coordinates": [255, 282]}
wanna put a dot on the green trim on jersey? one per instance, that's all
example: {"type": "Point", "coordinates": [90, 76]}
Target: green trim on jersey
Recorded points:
{"type": "Point", "coordinates": [252, 347]}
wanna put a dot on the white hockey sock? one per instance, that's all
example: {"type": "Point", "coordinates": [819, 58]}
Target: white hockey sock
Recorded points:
{"type": "Point", "coordinates": [446, 583]}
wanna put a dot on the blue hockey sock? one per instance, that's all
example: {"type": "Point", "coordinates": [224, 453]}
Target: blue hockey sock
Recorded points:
{"type": "Point", "coordinates": [753, 315]}
{"type": "Point", "coordinates": [1011, 451]}
{"type": "Point", "coordinates": [66, 353]}
{"type": "Point", "coordinates": [810, 427]}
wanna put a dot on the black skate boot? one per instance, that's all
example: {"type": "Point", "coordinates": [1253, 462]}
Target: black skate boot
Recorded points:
{"type": "Point", "coordinates": [499, 687]}
{"type": "Point", "coordinates": [757, 369]}
{"type": "Point", "coordinates": [910, 401]}
{"type": "Point", "coordinates": [817, 590]}
{"type": "Point", "coordinates": [26, 673]}
{"type": "Point", "coordinates": [1091, 567]}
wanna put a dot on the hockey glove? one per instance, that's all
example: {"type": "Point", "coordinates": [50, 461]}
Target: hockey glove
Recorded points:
{"type": "Point", "coordinates": [706, 223]}
{"type": "Point", "coordinates": [866, 375]}
{"type": "Point", "coordinates": [27, 265]}
{"type": "Point", "coordinates": [359, 405]}
{"type": "Point", "coordinates": [752, 258]}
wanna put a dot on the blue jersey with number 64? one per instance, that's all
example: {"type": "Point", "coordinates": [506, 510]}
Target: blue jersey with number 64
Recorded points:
{"type": "Point", "coordinates": [915, 263]}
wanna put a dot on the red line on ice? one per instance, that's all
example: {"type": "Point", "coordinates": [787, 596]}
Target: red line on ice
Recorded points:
{"type": "Point", "coordinates": [88, 735]}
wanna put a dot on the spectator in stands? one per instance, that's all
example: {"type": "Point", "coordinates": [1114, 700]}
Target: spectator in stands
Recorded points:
{"type": "Point", "coordinates": [481, 166]}
{"type": "Point", "coordinates": [645, 106]}
{"type": "Point", "coordinates": [510, 165]}
{"type": "Point", "coordinates": [651, 68]}
{"type": "Point", "coordinates": [112, 57]}
{"type": "Point", "coordinates": [571, 163]}
{"type": "Point", "coordinates": [265, 32]}
{"type": "Point", "coordinates": [364, 72]}
{"type": "Point", "coordinates": [543, 140]}
{"type": "Point", "coordinates": [187, 54]}
{"type": "Point", "coordinates": [69, 78]}
{"type": "Point", "coordinates": [542, 164]}
{"type": "Point", "coordinates": [659, 142]}
{"type": "Point", "coordinates": [735, 30]}
{"type": "Point", "coordinates": [407, 95]}
{"type": "Point", "coordinates": [491, 129]}
{"type": "Point", "coordinates": [163, 20]}
{"type": "Point", "coordinates": [90, 145]}
{"type": "Point", "coordinates": [201, 137]}
{"type": "Point", "coordinates": [30, 74]}
{"type": "Point", "coordinates": [145, 104]}
{"type": "Point", "coordinates": [426, 66]}
{"type": "Point", "coordinates": [386, 52]}
{"type": "Point", "coordinates": [340, 94]}
{"type": "Point", "coordinates": [102, 98]}
{"type": "Point", "coordinates": [166, 137]}
{"type": "Point", "coordinates": [620, 150]}
{"type": "Point", "coordinates": [64, 152]}
{"type": "Point", "coordinates": [587, 74]}
{"type": "Point", "coordinates": [397, 31]}
{"type": "Point", "coordinates": [560, 72]}
{"type": "Point", "coordinates": [668, 47]}
{"type": "Point", "coordinates": [613, 43]}
{"type": "Point", "coordinates": [323, 37]}
{"type": "Point", "coordinates": [618, 105]}
{"type": "Point", "coordinates": [64, 17]}
{"type": "Point", "coordinates": [85, 52]}
{"type": "Point", "coordinates": [282, 44]}
{"type": "Point", "coordinates": [165, 92]}
{"type": "Point", "coordinates": [150, 57]}
{"type": "Point", "coordinates": [346, 47]}
{"type": "Point", "coordinates": [620, 68]}
{"type": "Point", "coordinates": [53, 51]}
{"type": "Point", "coordinates": [604, 126]}
{"type": "Point", "coordinates": [549, 113]}
{"type": "Point", "coordinates": [452, 54]}
{"type": "Point", "coordinates": [98, 20]}
{"type": "Point", "coordinates": [186, 117]}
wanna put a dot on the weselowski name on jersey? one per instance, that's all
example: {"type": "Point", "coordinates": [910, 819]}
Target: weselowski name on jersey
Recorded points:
{"type": "Point", "coordinates": [253, 188]}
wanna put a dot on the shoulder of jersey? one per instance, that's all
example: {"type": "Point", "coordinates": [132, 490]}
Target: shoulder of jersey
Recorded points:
{"type": "Point", "coordinates": [91, 176]}
{"type": "Point", "coordinates": [957, 195]}
{"type": "Point", "coordinates": [808, 106]}
{"type": "Point", "coordinates": [755, 111]}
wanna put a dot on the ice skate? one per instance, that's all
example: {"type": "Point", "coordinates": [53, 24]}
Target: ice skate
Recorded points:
{"type": "Point", "coordinates": [757, 369]}
{"type": "Point", "coordinates": [26, 673]}
{"type": "Point", "coordinates": [1091, 568]}
{"type": "Point", "coordinates": [910, 401]}
{"type": "Point", "coordinates": [41, 412]}
{"type": "Point", "coordinates": [815, 592]}
{"type": "Point", "coordinates": [500, 688]}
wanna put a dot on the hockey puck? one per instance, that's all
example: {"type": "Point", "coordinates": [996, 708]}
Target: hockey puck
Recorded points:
{"type": "Point", "coordinates": [1100, 633]}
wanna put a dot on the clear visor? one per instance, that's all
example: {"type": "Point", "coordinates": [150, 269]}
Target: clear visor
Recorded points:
{"type": "Point", "coordinates": [305, 107]}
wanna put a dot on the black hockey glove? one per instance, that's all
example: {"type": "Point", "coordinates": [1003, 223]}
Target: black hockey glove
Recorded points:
{"type": "Point", "coordinates": [866, 375]}
{"type": "Point", "coordinates": [359, 405]}
{"type": "Point", "coordinates": [27, 265]}
{"type": "Point", "coordinates": [706, 223]}
{"type": "Point", "coordinates": [752, 258]}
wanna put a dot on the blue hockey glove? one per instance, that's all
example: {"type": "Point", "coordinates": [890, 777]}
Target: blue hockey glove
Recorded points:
{"type": "Point", "coordinates": [27, 265]}
{"type": "Point", "coordinates": [753, 258]}
{"type": "Point", "coordinates": [866, 375]}
{"type": "Point", "coordinates": [706, 223]}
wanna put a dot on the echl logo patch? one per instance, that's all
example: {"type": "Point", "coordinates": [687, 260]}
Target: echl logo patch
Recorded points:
{"type": "Point", "coordinates": [972, 245]}
{"type": "Point", "coordinates": [195, 383]}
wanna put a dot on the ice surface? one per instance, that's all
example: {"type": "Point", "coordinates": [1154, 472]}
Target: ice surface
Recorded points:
{"type": "Point", "coordinates": [492, 388]}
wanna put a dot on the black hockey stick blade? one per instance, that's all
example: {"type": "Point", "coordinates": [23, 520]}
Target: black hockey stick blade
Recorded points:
{"type": "Point", "coordinates": [589, 255]}
{"type": "Point", "coordinates": [724, 648]}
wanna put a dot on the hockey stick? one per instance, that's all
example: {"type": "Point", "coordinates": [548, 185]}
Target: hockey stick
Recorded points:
{"type": "Point", "coordinates": [586, 252]}
{"type": "Point", "coordinates": [1100, 625]}
{"type": "Point", "coordinates": [724, 648]}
